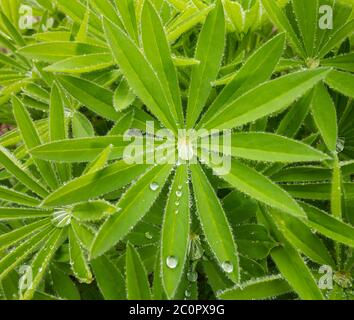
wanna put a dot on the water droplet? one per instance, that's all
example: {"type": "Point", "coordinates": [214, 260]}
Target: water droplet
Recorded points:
{"type": "Point", "coordinates": [176, 212]}
{"type": "Point", "coordinates": [177, 203]}
{"type": "Point", "coordinates": [187, 294]}
{"type": "Point", "coordinates": [154, 186]}
{"type": "Point", "coordinates": [179, 187]}
{"type": "Point", "coordinates": [148, 235]}
{"type": "Point", "coordinates": [192, 276]}
{"type": "Point", "coordinates": [61, 218]}
{"type": "Point", "coordinates": [178, 194]}
{"type": "Point", "coordinates": [227, 266]}
{"type": "Point", "coordinates": [171, 262]}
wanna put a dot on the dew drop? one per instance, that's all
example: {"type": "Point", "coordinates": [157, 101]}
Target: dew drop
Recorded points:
{"type": "Point", "coordinates": [227, 266]}
{"type": "Point", "coordinates": [171, 262]}
{"type": "Point", "coordinates": [148, 235]}
{"type": "Point", "coordinates": [192, 276]}
{"type": "Point", "coordinates": [178, 194]}
{"type": "Point", "coordinates": [187, 294]}
{"type": "Point", "coordinates": [154, 186]}
{"type": "Point", "coordinates": [177, 203]}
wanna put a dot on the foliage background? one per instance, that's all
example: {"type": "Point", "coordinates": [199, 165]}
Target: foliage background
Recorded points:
{"type": "Point", "coordinates": [78, 223]}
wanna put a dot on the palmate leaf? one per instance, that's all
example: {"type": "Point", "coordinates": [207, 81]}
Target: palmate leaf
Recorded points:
{"type": "Point", "coordinates": [209, 52]}
{"type": "Point", "coordinates": [133, 205]}
{"type": "Point", "coordinates": [215, 225]}
{"type": "Point", "coordinates": [266, 99]}
{"type": "Point", "coordinates": [175, 231]}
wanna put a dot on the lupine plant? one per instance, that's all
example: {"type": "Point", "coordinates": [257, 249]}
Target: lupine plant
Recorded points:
{"type": "Point", "coordinates": [255, 97]}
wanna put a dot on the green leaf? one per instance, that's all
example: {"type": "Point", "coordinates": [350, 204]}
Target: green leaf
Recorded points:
{"type": "Point", "coordinates": [254, 184]}
{"type": "Point", "coordinates": [42, 259]}
{"type": "Point", "coordinates": [337, 38]}
{"type": "Point", "coordinates": [12, 237]}
{"type": "Point", "coordinates": [336, 190]}
{"type": "Point", "coordinates": [17, 197]}
{"type": "Point", "coordinates": [15, 168]}
{"type": "Point", "coordinates": [139, 73]}
{"type": "Point", "coordinates": [63, 285]}
{"type": "Point", "coordinates": [175, 231]}
{"type": "Point", "coordinates": [128, 17]}
{"type": "Point", "coordinates": [273, 148]}
{"type": "Point", "coordinates": [109, 279]}
{"type": "Point", "coordinates": [328, 225]}
{"type": "Point", "coordinates": [60, 50]}
{"type": "Point", "coordinates": [307, 18]}
{"type": "Point", "coordinates": [100, 161]}
{"type": "Point", "coordinates": [325, 116]}
{"type": "Point", "coordinates": [95, 184]}
{"type": "Point", "coordinates": [136, 277]}
{"type": "Point", "coordinates": [78, 261]}
{"type": "Point", "coordinates": [261, 288]}
{"type": "Point", "coordinates": [15, 257]}
{"type": "Point", "coordinates": [91, 95]}
{"type": "Point", "coordinates": [81, 126]}
{"type": "Point", "coordinates": [57, 127]}
{"type": "Point", "coordinates": [266, 99]}
{"type": "Point", "coordinates": [22, 213]}
{"type": "Point", "coordinates": [132, 207]}
{"type": "Point", "coordinates": [301, 237]}
{"type": "Point", "coordinates": [82, 149]}
{"type": "Point", "coordinates": [93, 210]}
{"type": "Point", "coordinates": [82, 64]}
{"type": "Point", "coordinates": [123, 96]}
{"type": "Point", "coordinates": [158, 53]}
{"type": "Point", "coordinates": [281, 21]}
{"type": "Point", "coordinates": [292, 266]}
{"type": "Point", "coordinates": [257, 69]}
{"type": "Point", "coordinates": [341, 82]}
{"type": "Point", "coordinates": [344, 62]}
{"type": "Point", "coordinates": [31, 140]}
{"type": "Point", "coordinates": [215, 225]}
{"type": "Point", "coordinates": [209, 52]}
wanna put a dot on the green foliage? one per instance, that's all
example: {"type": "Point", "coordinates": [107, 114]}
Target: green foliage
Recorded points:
{"type": "Point", "coordinates": [87, 77]}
